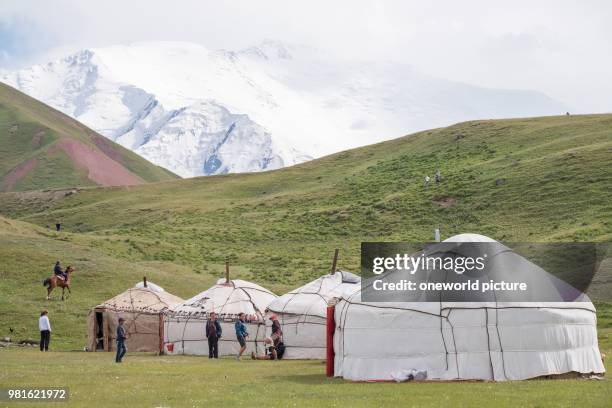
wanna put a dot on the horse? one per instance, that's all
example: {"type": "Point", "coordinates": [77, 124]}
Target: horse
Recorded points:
{"type": "Point", "coordinates": [54, 281]}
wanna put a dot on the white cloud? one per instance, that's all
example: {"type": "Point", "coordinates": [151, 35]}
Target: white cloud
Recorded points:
{"type": "Point", "coordinates": [559, 47]}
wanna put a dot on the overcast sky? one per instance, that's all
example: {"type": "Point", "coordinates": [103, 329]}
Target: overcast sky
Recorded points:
{"type": "Point", "coordinates": [563, 48]}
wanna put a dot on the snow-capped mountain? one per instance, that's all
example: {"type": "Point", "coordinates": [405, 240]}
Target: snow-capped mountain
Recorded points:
{"type": "Point", "coordinates": [199, 112]}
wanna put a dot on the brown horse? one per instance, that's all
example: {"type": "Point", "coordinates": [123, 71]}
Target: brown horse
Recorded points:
{"type": "Point", "coordinates": [55, 281]}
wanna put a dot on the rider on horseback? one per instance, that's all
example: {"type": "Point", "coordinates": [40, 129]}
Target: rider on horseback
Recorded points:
{"type": "Point", "coordinates": [57, 270]}
{"type": "Point", "coordinates": [58, 279]}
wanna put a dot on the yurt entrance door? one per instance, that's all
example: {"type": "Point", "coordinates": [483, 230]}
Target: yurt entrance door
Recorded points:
{"type": "Point", "coordinates": [99, 330]}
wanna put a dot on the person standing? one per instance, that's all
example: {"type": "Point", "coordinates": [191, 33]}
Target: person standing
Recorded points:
{"type": "Point", "coordinates": [213, 334]}
{"type": "Point", "coordinates": [438, 176]}
{"type": "Point", "coordinates": [277, 332]}
{"type": "Point", "coordinates": [45, 330]}
{"type": "Point", "coordinates": [121, 337]}
{"type": "Point", "coordinates": [427, 181]}
{"type": "Point", "coordinates": [241, 334]}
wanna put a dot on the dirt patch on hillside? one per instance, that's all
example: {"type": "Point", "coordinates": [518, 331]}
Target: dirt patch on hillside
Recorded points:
{"type": "Point", "coordinates": [104, 144]}
{"type": "Point", "coordinates": [18, 173]}
{"type": "Point", "coordinates": [445, 202]}
{"type": "Point", "coordinates": [102, 170]}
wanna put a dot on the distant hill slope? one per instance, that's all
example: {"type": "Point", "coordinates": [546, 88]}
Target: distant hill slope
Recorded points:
{"type": "Point", "coordinates": [41, 148]}
{"type": "Point", "coordinates": [522, 180]}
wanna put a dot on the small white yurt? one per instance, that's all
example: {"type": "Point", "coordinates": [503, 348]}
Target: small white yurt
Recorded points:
{"type": "Point", "coordinates": [302, 313]}
{"type": "Point", "coordinates": [184, 324]}
{"type": "Point", "coordinates": [468, 340]}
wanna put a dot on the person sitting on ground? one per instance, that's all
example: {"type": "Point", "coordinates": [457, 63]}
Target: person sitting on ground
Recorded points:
{"type": "Point", "coordinates": [241, 334]}
{"type": "Point", "coordinates": [57, 270]}
{"type": "Point", "coordinates": [213, 334]}
{"type": "Point", "coordinates": [273, 351]}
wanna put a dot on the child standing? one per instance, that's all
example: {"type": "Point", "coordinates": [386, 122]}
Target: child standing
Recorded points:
{"type": "Point", "coordinates": [121, 337]}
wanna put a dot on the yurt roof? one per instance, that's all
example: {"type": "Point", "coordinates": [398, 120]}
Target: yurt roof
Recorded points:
{"type": "Point", "coordinates": [143, 300]}
{"type": "Point", "coordinates": [151, 286]}
{"type": "Point", "coordinates": [228, 299]}
{"type": "Point", "coordinates": [312, 298]}
{"type": "Point", "coordinates": [505, 264]}
{"type": "Point", "coordinates": [469, 237]}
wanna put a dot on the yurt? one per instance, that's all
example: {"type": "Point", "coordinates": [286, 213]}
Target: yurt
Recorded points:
{"type": "Point", "coordinates": [302, 313]}
{"type": "Point", "coordinates": [142, 307]}
{"type": "Point", "coordinates": [184, 324]}
{"type": "Point", "coordinates": [490, 340]}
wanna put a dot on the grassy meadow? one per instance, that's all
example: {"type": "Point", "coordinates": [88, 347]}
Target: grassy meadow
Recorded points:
{"type": "Point", "coordinates": [184, 381]}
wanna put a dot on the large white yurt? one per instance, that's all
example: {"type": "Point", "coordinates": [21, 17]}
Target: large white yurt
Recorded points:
{"type": "Point", "coordinates": [468, 340]}
{"type": "Point", "coordinates": [142, 307]}
{"type": "Point", "coordinates": [302, 313]}
{"type": "Point", "coordinates": [184, 324]}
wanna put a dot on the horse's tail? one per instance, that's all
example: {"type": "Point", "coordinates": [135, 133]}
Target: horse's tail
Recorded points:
{"type": "Point", "coordinates": [47, 282]}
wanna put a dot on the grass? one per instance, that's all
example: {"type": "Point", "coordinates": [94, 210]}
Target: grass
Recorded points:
{"type": "Point", "coordinates": [170, 381]}
{"type": "Point", "coordinates": [29, 129]}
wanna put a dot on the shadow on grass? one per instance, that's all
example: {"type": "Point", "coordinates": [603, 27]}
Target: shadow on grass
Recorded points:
{"type": "Point", "coordinates": [310, 379]}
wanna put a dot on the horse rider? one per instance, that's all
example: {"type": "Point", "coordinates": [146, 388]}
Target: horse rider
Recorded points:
{"type": "Point", "coordinates": [57, 270]}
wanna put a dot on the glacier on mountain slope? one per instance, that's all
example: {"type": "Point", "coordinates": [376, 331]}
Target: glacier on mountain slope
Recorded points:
{"type": "Point", "coordinates": [201, 112]}
{"type": "Point", "coordinates": [205, 138]}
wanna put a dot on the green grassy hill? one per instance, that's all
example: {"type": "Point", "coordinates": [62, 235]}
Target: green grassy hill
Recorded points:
{"type": "Point", "coordinates": [542, 179]}
{"type": "Point", "coordinates": [42, 148]}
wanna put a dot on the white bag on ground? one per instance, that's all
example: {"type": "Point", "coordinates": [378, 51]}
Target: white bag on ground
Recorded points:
{"type": "Point", "coordinates": [409, 375]}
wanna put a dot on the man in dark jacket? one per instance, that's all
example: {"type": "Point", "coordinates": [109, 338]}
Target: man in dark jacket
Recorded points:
{"type": "Point", "coordinates": [57, 270]}
{"type": "Point", "coordinates": [213, 334]}
{"type": "Point", "coordinates": [121, 337]}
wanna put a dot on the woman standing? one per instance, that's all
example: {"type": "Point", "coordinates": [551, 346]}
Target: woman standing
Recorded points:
{"type": "Point", "coordinates": [45, 330]}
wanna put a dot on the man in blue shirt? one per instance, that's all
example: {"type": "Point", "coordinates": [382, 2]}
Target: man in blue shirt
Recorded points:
{"type": "Point", "coordinates": [241, 334]}
{"type": "Point", "coordinates": [121, 337]}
